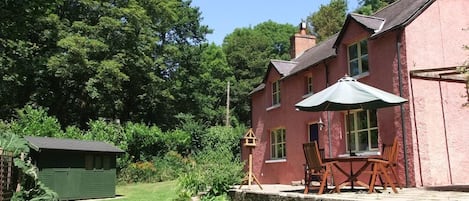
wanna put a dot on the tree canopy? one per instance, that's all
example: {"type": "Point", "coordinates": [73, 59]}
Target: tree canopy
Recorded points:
{"type": "Point", "coordinates": [85, 59]}
{"type": "Point", "coordinates": [329, 19]}
{"type": "Point", "coordinates": [248, 51]}
{"type": "Point", "coordinates": [368, 7]}
{"type": "Point", "coordinates": [140, 60]}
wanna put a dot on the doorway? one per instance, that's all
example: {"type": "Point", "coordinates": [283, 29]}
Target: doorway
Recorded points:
{"type": "Point", "coordinates": [313, 132]}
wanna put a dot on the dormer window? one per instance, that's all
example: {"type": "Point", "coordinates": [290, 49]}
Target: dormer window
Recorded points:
{"type": "Point", "coordinates": [358, 58]}
{"type": "Point", "coordinates": [276, 93]}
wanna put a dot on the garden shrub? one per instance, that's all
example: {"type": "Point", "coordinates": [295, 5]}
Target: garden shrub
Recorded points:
{"type": "Point", "coordinates": [144, 142]}
{"type": "Point", "coordinates": [215, 172]}
{"type": "Point", "coordinates": [171, 166]}
{"type": "Point", "coordinates": [138, 172]}
{"type": "Point", "coordinates": [177, 141]}
{"type": "Point", "coordinates": [35, 122]}
{"type": "Point", "coordinates": [31, 188]}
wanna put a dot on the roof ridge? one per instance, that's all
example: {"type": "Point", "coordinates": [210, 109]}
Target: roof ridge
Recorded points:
{"type": "Point", "coordinates": [284, 61]}
{"type": "Point", "coordinates": [367, 16]}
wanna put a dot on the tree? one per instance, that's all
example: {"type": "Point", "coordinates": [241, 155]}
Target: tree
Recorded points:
{"type": "Point", "coordinates": [248, 51]}
{"type": "Point", "coordinates": [329, 19]}
{"type": "Point", "coordinates": [368, 7]}
{"type": "Point", "coordinates": [86, 59]}
{"type": "Point", "coordinates": [200, 89]}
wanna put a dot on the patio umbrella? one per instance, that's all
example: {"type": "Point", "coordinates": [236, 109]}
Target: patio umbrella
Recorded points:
{"type": "Point", "coordinates": [348, 94]}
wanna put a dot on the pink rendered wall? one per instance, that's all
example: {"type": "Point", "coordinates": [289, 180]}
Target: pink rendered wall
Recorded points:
{"type": "Point", "coordinates": [435, 38]}
{"type": "Point", "coordinates": [383, 74]}
{"type": "Point", "coordinates": [440, 132]}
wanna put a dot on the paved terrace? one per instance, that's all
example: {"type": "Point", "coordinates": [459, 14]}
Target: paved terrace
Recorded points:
{"type": "Point", "coordinates": [295, 193]}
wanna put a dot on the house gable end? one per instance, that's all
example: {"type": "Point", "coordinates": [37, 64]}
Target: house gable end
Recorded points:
{"type": "Point", "coordinates": [368, 24]}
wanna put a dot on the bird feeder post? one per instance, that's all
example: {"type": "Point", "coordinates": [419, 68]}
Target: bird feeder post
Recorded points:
{"type": "Point", "coordinates": [250, 143]}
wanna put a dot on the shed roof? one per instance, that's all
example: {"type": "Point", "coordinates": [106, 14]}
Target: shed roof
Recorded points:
{"type": "Point", "coordinates": [49, 143]}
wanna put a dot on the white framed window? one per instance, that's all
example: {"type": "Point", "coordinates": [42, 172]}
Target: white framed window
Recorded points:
{"type": "Point", "coordinates": [358, 58]}
{"type": "Point", "coordinates": [276, 93]}
{"type": "Point", "coordinates": [309, 84]}
{"type": "Point", "coordinates": [363, 130]}
{"type": "Point", "coordinates": [277, 144]}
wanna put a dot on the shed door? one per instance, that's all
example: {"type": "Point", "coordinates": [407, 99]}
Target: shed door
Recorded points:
{"type": "Point", "coordinates": [65, 185]}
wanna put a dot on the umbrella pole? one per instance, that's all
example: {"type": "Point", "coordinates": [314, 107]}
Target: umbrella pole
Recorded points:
{"type": "Point", "coordinates": [349, 145]}
{"type": "Point", "coordinates": [349, 133]}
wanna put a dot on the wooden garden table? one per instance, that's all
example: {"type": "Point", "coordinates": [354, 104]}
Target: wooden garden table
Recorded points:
{"type": "Point", "coordinates": [352, 176]}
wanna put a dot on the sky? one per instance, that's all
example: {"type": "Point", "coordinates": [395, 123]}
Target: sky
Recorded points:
{"type": "Point", "coordinates": [223, 16]}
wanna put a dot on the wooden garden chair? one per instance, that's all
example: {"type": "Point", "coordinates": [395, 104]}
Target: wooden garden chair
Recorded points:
{"type": "Point", "coordinates": [383, 166]}
{"type": "Point", "coordinates": [315, 167]}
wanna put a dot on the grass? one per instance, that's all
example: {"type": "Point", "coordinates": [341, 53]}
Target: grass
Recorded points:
{"type": "Point", "coordinates": [162, 191]}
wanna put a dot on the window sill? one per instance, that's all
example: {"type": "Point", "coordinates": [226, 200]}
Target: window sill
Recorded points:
{"type": "Point", "coordinates": [361, 75]}
{"type": "Point", "coordinates": [276, 160]}
{"type": "Point", "coordinates": [273, 107]}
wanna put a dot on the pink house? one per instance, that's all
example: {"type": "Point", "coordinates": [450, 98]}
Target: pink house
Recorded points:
{"type": "Point", "coordinates": [410, 48]}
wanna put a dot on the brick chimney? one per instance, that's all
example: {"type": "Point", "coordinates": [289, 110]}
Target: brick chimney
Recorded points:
{"type": "Point", "coordinates": [301, 41]}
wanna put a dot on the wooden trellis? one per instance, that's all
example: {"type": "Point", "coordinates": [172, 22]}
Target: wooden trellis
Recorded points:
{"type": "Point", "coordinates": [6, 175]}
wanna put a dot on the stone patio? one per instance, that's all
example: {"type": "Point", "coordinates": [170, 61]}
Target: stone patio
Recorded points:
{"type": "Point", "coordinates": [277, 192]}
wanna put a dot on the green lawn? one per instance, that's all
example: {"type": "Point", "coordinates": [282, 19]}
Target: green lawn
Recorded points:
{"type": "Point", "coordinates": [163, 191]}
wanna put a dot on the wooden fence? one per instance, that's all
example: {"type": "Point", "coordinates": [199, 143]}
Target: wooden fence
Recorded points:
{"type": "Point", "coordinates": [7, 185]}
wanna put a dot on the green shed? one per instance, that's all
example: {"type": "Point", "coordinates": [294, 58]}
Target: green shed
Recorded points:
{"type": "Point", "coordinates": [75, 169]}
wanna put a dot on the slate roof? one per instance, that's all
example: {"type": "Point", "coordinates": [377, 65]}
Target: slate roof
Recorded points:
{"type": "Point", "coordinates": [48, 143]}
{"type": "Point", "coordinates": [371, 23]}
{"type": "Point", "coordinates": [393, 16]}
{"type": "Point", "coordinates": [283, 67]}
{"type": "Point", "coordinates": [315, 55]}
{"type": "Point", "coordinates": [401, 13]}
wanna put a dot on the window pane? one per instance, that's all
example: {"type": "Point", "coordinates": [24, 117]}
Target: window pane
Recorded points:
{"type": "Point", "coordinates": [352, 52]}
{"type": "Point", "coordinates": [374, 138]}
{"type": "Point", "coordinates": [98, 163]}
{"type": "Point", "coordinates": [350, 119]}
{"type": "Point", "coordinates": [89, 162]}
{"type": "Point", "coordinates": [351, 141]}
{"type": "Point", "coordinates": [273, 151]}
{"type": "Point", "coordinates": [107, 162]}
{"type": "Point", "coordinates": [363, 47]}
{"type": "Point", "coordinates": [365, 64]}
{"type": "Point", "coordinates": [280, 151]}
{"type": "Point", "coordinates": [373, 119]}
{"type": "Point", "coordinates": [362, 120]}
{"type": "Point", "coordinates": [310, 84]}
{"type": "Point", "coordinates": [278, 97]}
{"type": "Point", "coordinates": [284, 148]}
{"type": "Point", "coordinates": [354, 68]}
{"type": "Point", "coordinates": [363, 141]}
